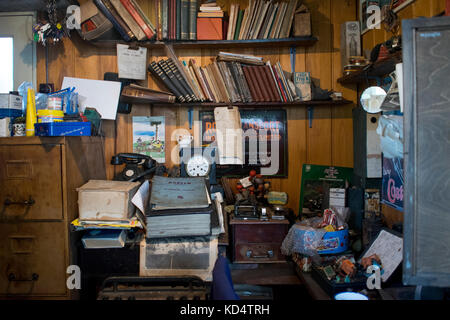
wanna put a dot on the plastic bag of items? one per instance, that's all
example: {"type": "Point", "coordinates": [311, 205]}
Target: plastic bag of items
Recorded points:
{"type": "Point", "coordinates": [319, 235]}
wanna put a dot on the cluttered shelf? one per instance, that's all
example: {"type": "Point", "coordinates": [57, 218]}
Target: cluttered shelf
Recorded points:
{"type": "Point", "coordinates": [202, 44]}
{"type": "Point", "coordinates": [376, 69]}
{"type": "Point", "coordinates": [258, 104]}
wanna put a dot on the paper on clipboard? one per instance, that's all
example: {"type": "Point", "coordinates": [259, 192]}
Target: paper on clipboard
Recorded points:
{"type": "Point", "coordinates": [99, 94]}
{"type": "Point", "coordinates": [132, 63]}
{"type": "Point", "coordinates": [389, 248]}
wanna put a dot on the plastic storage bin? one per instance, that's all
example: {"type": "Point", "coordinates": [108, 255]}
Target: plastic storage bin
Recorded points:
{"type": "Point", "coordinates": [63, 129]}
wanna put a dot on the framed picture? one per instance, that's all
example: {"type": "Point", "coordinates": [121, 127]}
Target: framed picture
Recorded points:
{"type": "Point", "coordinates": [364, 4]}
{"type": "Point", "coordinates": [149, 137]}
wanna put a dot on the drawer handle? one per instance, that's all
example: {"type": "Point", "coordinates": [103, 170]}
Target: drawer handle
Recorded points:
{"type": "Point", "coordinates": [28, 202]}
{"type": "Point", "coordinates": [12, 277]}
{"type": "Point", "coordinates": [269, 255]}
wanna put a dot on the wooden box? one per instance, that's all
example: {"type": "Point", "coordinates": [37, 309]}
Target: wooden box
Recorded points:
{"type": "Point", "coordinates": [210, 29]}
{"type": "Point", "coordinates": [258, 241]}
{"type": "Point", "coordinates": [106, 200]}
{"type": "Point", "coordinates": [302, 25]}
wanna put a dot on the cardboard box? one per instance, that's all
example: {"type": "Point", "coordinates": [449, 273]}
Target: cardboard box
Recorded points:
{"type": "Point", "coordinates": [106, 200]}
{"type": "Point", "coordinates": [210, 29]}
{"type": "Point", "coordinates": [350, 41]}
{"type": "Point", "coordinates": [10, 105]}
{"type": "Point", "coordinates": [302, 24]}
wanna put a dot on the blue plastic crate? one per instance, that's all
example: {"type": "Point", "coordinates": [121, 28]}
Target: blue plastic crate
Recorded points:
{"type": "Point", "coordinates": [53, 129]}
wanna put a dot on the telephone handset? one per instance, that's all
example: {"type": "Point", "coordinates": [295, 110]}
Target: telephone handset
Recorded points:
{"type": "Point", "coordinates": [136, 166]}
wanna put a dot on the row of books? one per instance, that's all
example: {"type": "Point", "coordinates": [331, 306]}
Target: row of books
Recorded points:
{"type": "Point", "coordinates": [261, 20]}
{"type": "Point", "coordinates": [176, 19]}
{"type": "Point", "coordinates": [128, 19]}
{"type": "Point", "coordinates": [230, 78]}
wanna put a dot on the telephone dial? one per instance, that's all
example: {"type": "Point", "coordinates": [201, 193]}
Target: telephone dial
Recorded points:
{"type": "Point", "coordinates": [137, 166]}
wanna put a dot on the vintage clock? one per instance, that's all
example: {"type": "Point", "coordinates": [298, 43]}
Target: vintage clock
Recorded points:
{"type": "Point", "coordinates": [199, 162]}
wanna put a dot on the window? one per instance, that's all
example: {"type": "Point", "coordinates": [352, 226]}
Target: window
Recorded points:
{"type": "Point", "coordinates": [18, 50]}
{"type": "Point", "coordinates": [6, 64]}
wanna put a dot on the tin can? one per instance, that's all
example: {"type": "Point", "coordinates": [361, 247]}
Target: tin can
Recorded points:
{"type": "Point", "coordinates": [54, 103]}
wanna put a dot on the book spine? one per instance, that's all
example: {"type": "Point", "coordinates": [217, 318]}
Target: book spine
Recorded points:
{"type": "Point", "coordinates": [158, 10]}
{"type": "Point", "coordinates": [145, 96]}
{"type": "Point", "coordinates": [205, 84]}
{"type": "Point", "coordinates": [262, 84]}
{"type": "Point", "coordinates": [193, 19]}
{"type": "Point", "coordinates": [178, 18]}
{"type": "Point", "coordinates": [246, 89]}
{"type": "Point", "coordinates": [238, 25]}
{"type": "Point", "coordinates": [197, 88]}
{"type": "Point", "coordinates": [235, 80]}
{"type": "Point", "coordinates": [284, 81]}
{"type": "Point", "coordinates": [133, 12]}
{"type": "Point", "coordinates": [156, 71]}
{"type": "Point", "coordinates": [258, 88]}
{"type": "Point", "coordinates": [275, 82]}
{"type": "Point", "coordinates": [265, 79]}
{"type": "Point", "coordinates": [280, 84]}
{"type": "Point", "coordinates": [144, 16]}
{"type": "Point", "coordinates": [180, 78]}
{"type": "Point", "coordinates": [271, 23]}
{"type": "Point", "coordinates": [271, 84]}
{"type": "Point", "coordinates": [225, 76]}
{"type": "Point", "coordinates": [221, 82]}
{"type": "Point", "coordinates": [208, 84]}
{"type": "Point", "coordinates": [173, 11]}
{"type": "Point", "coordinates": [215, 85]}
{"type": "Point", "coordinates": [250, 83]}
{"type": "Point", "coordinates": [165, 67]}
{"type": "Point", "coordinates": [164, 19]}
{"type": "Point", "coordinates": [128, 19]}
{"type": "Point", "coordinates": [200, 79]}
{"type": "Point", "coordinates": [102, 6]}
{"type": "Point", "coordinates": [184, 19]}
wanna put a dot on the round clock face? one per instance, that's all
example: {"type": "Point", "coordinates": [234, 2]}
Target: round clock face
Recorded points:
{"type": "Point", "coordinates": [197, 166]}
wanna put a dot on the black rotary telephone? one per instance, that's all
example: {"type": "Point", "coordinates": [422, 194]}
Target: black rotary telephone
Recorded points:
{"type": "Point", "coordinates": [137, 166]}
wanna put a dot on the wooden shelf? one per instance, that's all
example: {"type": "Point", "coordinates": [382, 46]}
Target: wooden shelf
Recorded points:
{"type": "Point", "coordinates": [201, 44]}
{"type": "Point", "coordinates": [257, 104]}
{"type": "Point", "coordinates": [377, 69]}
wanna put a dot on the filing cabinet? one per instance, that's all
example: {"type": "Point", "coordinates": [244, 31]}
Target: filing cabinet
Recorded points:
{"type": "Point", "coordinates": [38, 201]}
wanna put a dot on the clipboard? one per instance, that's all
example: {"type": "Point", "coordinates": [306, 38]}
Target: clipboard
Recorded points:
{"type": "Point", "coordinates": [391, 255]}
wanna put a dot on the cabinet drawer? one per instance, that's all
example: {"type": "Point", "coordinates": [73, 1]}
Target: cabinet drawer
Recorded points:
{"type": "Point", "coordinates": [251, 233]}
{"type": "Point", "coordinates": [32, 259]}
{"type": "Point", "coordinates": [258, 253]}
{"type": "Point", "coordinates": [30, 176]}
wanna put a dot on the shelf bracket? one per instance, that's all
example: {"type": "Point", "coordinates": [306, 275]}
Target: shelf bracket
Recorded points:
{"type": "Point", "coordinates": [310, 115]}
{"type": "Point", "coordinates": [293, 52]}
{"type": "Point", "coordinates": [190, 117]}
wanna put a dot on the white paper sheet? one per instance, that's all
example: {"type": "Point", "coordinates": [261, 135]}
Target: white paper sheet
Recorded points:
{"type": "Point", "coordinates": [229, 135]}
{"type": "Point", "coordinates": [99, 94]}
{"type": "Point", "coordinates": [131, 63]}
{"type": "Point", "coordinates": [140, 198]}
{"type": "Point", "coordinates": [389, 248]}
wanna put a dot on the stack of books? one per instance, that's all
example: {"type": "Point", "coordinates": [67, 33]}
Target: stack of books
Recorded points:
{"type": "Point", "coordinates": [127, 18]}
{"type": "Point", "coordinates": [183, 227]}
{"type": "Point", "coordinates": [261, 20]}
{"type": "Point", "coordinates": [210, 10]}
{"type": "Point", "coordinates": [230, 78]}
{"type": "Point", "coordinates": [176, 19]}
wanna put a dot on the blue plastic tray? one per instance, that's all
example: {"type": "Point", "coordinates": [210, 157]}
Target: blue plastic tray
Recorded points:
{"type": "Point", "coordinates": [53, 129]}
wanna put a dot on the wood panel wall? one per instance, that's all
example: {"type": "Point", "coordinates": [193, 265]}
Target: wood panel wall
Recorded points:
{"type": "Point", "coordinates": [419, 8]}
{"type": "Point", "coordinates": [328, 142]}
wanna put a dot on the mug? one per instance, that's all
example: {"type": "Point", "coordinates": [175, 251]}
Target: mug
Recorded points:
{"type": "Point", "coordinates": [185, 140]}
{"type": "Point", "coordinates": [19, 129]}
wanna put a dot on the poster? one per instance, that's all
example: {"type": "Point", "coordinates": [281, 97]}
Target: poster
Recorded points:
{"type": "Point", "coordinates": [262, 131]}
{"type": "Point", "coordinates": [392, 183]}
{"type": "Point", "coordinates": [149, 137]}
{"type": "Point", "coordinates": [315, 184]}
